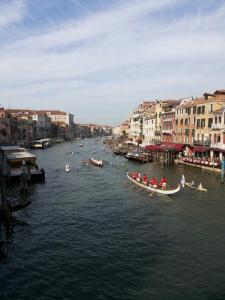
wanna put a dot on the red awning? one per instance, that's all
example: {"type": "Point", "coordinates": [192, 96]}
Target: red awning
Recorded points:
{"type": "Point", "coordinates": [153, 148]}
{"type": "Point", "coordinates": [200, 149]}
{"type": "Point", "coordinates": [174, 146]}
{"type": "Point", "coordinates": [166, 146]}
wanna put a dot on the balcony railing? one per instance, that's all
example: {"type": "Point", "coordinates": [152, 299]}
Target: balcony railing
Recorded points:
{"type": "Point", "coordinates": [158, 133]}
{"type": "Point", "coordinates": [167, 131]}
{"type": "Point", "coordinates": [206, 143]}
{"type": "Point", "coordinates": [218, 126]}
{"type": "Point", "coordinates": [218, 145]}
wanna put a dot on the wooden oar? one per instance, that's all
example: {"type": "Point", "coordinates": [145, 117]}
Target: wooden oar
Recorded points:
{"type": "Point", "coordinates": [150, 195]}
{"type": "Point", "coordinates": [138, 190]}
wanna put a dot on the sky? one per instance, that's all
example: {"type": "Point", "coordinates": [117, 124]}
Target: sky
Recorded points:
{"type": "Point", "coordinates": [99, 59]}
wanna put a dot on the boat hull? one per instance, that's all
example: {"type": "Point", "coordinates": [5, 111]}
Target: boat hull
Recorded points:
{"type": "Point", "coordinates": [151, 189]}
{"type": "Point", "coordinates": [96, 163]}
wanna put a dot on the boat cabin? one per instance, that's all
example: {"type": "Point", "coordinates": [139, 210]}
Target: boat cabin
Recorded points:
{"type": "Point", "coordinates": [14, 163]}
{"type": "Point", "coordinates": [41, 144]}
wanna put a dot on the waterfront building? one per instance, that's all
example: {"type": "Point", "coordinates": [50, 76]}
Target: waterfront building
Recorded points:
{"type": "Point", "coordinates": [125, 129]}
{"type": "Point", "coordinates": [218, 134]}
{"type": "Point", "coordinates": [23, 127]}
{"type": "Point", "coordinates": [162, 106]}
{"type": "Point", "coordinates": [62, 123]}
{"type": "Point", "coordinates": [168, 121]}
{"type": "Point", "coordinates": [116, 131]}
{"type": "Point", "coordinates": [185, 122]}
{"type": "Point", "coordinates": [136, 121]}
{"type": "Point", "coordinates": [5, 130]}
{"type": "Point", "coordinates": [204, 110]}
{"type": "Point", "coordinates": [149, 118]}
{"type": "Point", "coordinates": [43, 124]}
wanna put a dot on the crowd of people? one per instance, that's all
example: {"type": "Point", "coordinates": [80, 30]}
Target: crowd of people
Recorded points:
{"type": "Point", "coordinates": [204, 161]}
{"type": "Point", "coordinates": [153, 182]}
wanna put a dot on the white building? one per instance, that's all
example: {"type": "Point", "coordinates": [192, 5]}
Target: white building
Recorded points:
{"type": "Point", "coordinates": [149, 125]}
{"type": "Point", "coordinates": [136, 121]}
{"type": "Point", "coordinates": [217, 136]}
{"type": "Point", "coordinates": [116, 131]}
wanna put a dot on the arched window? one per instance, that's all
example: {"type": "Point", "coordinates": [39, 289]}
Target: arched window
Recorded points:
{"type": "Point", "coordinates": [181, 122]}
{"type": "Point", "coordinates": [218, 138]}
{"type": "Point", "coordinates": [215, 138]}
{"type": "Point", "coordinates": [186, 121]}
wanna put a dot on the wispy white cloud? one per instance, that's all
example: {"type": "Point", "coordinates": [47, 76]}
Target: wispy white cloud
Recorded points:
{"type": "Point", "coordinates": [119, 55]}
{"type": "Point", "coordinates": [11, 12]}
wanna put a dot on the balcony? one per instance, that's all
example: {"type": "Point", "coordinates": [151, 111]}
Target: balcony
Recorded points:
{"type": "Point", "coordinates": [167, 131]}
{"type": "Point", "coordinates": [206, 143]}
{"type": "Point", "coordinates": [157, 133]}
{"type": "Point", "coordinates": [218, 145]}
{"type": "Point", "coordinates": [217, 126]}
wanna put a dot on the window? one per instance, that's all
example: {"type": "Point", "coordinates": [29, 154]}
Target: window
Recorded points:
{"type": "Point", "coordinates": [198, 123]}
{"type": "Point", "coordinates": [194, 109]}
{"type": "Point", "coordinates": [220, 119]}
{"type": "Point", "coordinates": [199, 110]}
{"type": "Point", "coordinates": [210, 120]}
{"type": "Point", "coordinates": [202, 123]}
{"type": "Point", "coordinates": [186, 121]}
{"type": "Point", "coordinates": [181, 122]}
{"type": "Point", "coordinates": [202, 137]}
{"type": "Point", "coordinates": [218, 139]}
{"type": "Point", "coordinates": [211, 107]}
{"type": "Point", "coordinates": [215, 120]}
{"type": "Point", "coordinates": [203, 109]}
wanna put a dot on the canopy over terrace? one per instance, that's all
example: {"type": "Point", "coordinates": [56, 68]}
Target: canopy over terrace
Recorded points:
{"type": "Point", "coordinates": [173, 147]}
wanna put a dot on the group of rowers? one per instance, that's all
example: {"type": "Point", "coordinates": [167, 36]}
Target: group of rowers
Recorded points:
{"type": "Point", "coordinates": [153, 182]}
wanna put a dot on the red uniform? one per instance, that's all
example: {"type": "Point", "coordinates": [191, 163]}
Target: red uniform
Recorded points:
{"type": "Point", "coordinates": [145, 179]}
{"type": "Point", "coordinates": [153, 181]}
{"type": "Point", "coordinates": [138, 177]}
{"type": "Point", "coordinates": [134, 175]}
{"type": "Point", "coordinates": [163, 183]}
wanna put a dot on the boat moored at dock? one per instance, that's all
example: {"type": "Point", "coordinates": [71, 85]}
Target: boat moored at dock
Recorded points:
{"type": "Point", "coordinates": [13, 157]}
{"type": "Point", "coordinates": [41, 144]}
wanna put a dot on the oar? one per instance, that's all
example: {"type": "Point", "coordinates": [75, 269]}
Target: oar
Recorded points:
{"type": "Point", "coordinates": [141, 188]}
{"type": "Point", "coordinates": [150, 195]}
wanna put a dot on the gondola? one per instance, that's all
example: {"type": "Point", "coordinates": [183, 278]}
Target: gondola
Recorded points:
{"type": "Point", "coordinates": [155, 190]}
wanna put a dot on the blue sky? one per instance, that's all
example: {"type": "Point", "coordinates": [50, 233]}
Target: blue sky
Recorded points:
{"type": "Point", "coordinates": [98, 59]}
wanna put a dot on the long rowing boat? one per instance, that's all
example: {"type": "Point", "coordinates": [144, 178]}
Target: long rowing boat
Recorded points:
{"type": "Point", "coordinates": [152, 189]}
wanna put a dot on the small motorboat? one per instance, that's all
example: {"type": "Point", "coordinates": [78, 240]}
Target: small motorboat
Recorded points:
{"type": "Point", "coordinates": [81, 145]}
{"type": "Point", "coordinates": [95, 162]}
{"type": "Point", "coordinates": [67, 168]}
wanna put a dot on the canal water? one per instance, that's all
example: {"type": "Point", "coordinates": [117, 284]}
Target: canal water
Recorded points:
{"type": "Point", "coordinates": [90, 235]}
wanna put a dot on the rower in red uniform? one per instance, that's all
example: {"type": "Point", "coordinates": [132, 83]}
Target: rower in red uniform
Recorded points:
{"type": "Point", "coordinates": [138, 176]}
{"type": "Point", "coordinates": [153, 182]}
{"type": "Point", "coordinates": [163, 183]}
{"type": "Point", "coordinates": [134, 175]}
{"type": "Point", "coordinates": [145, 179]}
